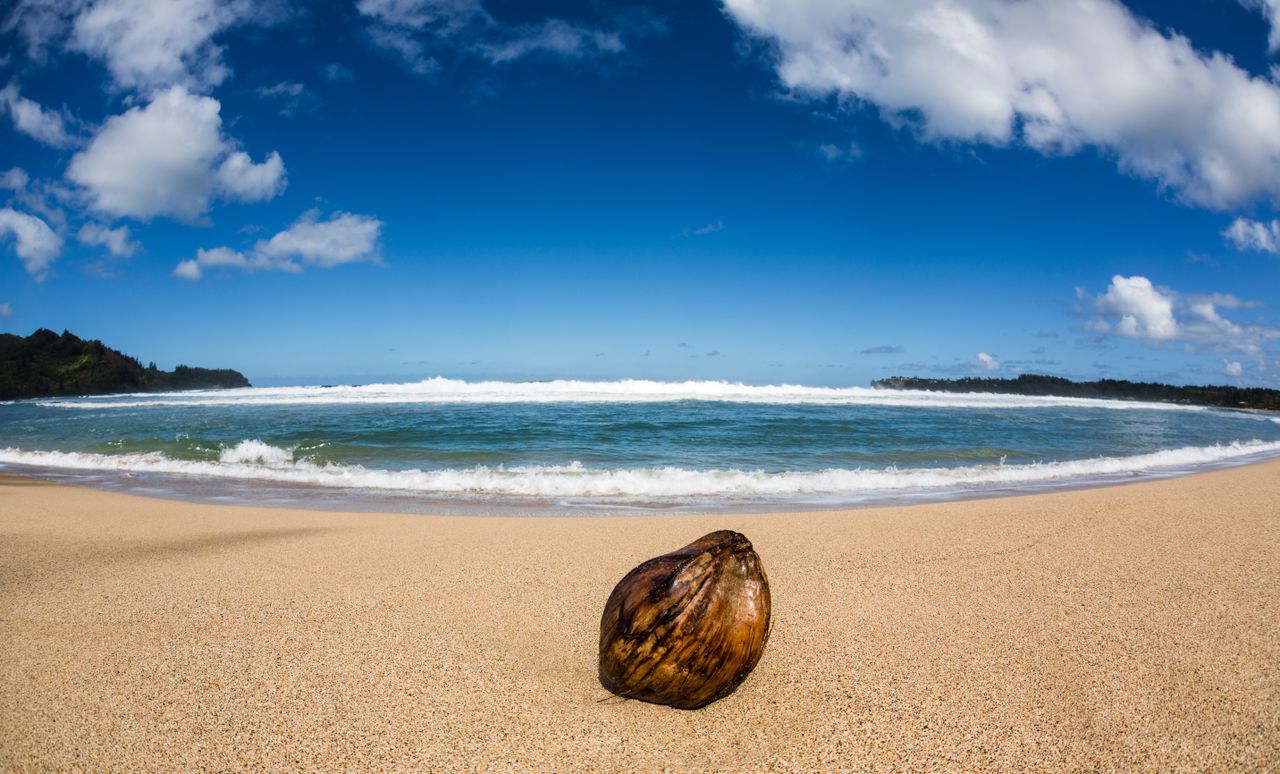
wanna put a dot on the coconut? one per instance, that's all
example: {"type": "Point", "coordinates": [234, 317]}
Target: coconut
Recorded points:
{"type": "Point", "coordinates": [686, 628]}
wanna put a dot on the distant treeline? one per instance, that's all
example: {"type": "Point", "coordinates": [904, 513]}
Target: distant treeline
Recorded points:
{"type": "Point", "coordinates": [45, 364]}
{"type": "Point", "coordinates": [1034, 384]}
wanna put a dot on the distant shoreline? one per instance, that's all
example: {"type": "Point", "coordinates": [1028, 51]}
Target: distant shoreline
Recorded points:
{"type": "Point", "coordinates": [48, 365]}
{"type": "Point", "coordinates": [1210, 396]}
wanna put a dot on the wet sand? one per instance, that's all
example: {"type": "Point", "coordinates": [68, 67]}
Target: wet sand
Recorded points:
{"type": "Point", "coordinates": [1123, 628]}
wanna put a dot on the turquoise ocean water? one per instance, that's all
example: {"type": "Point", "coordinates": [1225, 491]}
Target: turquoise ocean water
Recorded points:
{"type": "Point", "coordinates": [610, 446]}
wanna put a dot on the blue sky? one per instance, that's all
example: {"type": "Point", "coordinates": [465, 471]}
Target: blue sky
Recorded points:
{"type": "Point", "coordinates": [827, 192]}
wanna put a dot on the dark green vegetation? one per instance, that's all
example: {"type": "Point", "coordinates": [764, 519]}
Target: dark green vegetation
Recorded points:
{"type": "Point", "coordinates": [45, 364]}
{"type": "Point", "coordinates": [1034, 384]}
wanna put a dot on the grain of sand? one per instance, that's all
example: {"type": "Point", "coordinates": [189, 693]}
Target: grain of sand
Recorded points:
{"type": "Point", "coordinates": [1126, 628]}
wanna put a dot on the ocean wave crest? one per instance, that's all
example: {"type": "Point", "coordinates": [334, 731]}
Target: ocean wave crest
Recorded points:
{"type": "Point", "coordinates": [253, 460]}
{"type": "Point", "coordinates": [441, 390]}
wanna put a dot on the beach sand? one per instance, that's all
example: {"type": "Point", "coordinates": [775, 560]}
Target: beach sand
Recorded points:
{"type": "Point", "coordinates": [1126, 628]}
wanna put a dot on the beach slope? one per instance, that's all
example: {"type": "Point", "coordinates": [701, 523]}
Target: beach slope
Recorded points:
{"type": "Point", "coordinates": [1131, 628]}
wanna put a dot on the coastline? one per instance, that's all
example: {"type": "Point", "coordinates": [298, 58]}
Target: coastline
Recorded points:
{"type": "Point", "coordinates": [1126, 627]}
{"type": "Point", "coordinates": [204, 488]}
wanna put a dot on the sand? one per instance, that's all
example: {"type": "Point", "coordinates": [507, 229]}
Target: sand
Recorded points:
{"type": "Point", "coordinates": [1126, 628]}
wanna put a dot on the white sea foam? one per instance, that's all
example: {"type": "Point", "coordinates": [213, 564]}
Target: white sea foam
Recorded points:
{"type": "Point", "coordinates": [253, 460]}
{"type": "Point", "coordinates": [255, 452]}
{"type": "Point", "coordinates": [441, 390]}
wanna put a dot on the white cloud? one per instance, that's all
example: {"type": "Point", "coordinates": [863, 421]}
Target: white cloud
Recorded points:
{"type": "Point", "coordinates": [1053, 75]}
{"type": "Point", "coordinates": [189, 269]}
{"type": "Point", "coordinates": [33, 120]}
{"type": "Point", "coordinates": [1233, 368]}
{"type": "Point", "coordinates": [847, 152]}
{"type": "Point", "coordinates": [40, 197]}
{"type": "Point", "coordinates": [556, 37]}
{"type": "Point", "coordinates": [145, 45]}
{"type": "Point", "coordinates": [399, 25]}
{"type": "Point", "coordinates": [342, 238]}
{"type": "Point", "coordinates": [442, 17]}
{"type": "Point", "coordinates": [6, 311]}
{"type": "Point", "coordinates": [985, 362]}
{"type": "Point", "coordinates": [193, 269]}
{"type": "Point", "coordinates": [1143, 312]}
{"type": "Point", "coordinates": [15, 179]}
{"type": "Point", "coordinates": [407, 27]}
{"type": "Point", "coordinates": [40, 23]}
{"type": "Point", "coordinates": [1135, 308]}
{"type": "Point", "coordinates": [710, 228]}
{"type": "Point", "coordinates": [1252, 235]}
{"type": "Point", "coordinates": [241, 179]}
{"type": "Point", "coordinates": [418, 14]}
{"type": "Point", "coordinates": [115, 240]}
{"type": "Point", "coordinates": [35, 243]}
{"type": "Point", "coordinates": [1271, 10]}
{"type": "Point", "coordinates": [404, 45]}
{"type": "Point", "coordinates": [1223, 300]}
{"type": "Point", "coordinates": [170, 158]}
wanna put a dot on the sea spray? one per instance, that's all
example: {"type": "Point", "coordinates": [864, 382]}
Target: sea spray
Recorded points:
{"type": "Point", "coordinates": [453, 391]}
{"type": "Point", "coordinates": [255, 461]}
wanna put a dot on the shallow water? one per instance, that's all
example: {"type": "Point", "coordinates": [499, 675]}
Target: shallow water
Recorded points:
{"type": "Point", "coordinates": [610, 446]}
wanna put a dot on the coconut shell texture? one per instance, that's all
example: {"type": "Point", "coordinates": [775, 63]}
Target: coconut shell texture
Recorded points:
{"type": "Point", "coordinates": [686, 628]}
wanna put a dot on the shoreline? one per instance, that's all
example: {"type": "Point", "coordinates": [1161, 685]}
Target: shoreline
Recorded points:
{"type": "Point", "coordinates": [251, 492]}
{"type": "Point", "coordinates": [1128, 627]}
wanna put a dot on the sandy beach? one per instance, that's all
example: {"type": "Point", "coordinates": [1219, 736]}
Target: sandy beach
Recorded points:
{"type": "Point", "coordinates": [1124, 628]}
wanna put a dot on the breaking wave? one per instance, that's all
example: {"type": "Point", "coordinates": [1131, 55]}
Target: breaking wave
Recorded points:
{"type": "Point", "coordinates": [253, 460]}
{"type": "Point", "coordinates": [441, 390]}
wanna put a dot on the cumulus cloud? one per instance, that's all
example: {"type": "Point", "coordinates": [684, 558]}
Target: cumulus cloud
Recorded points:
{"type": "Point", "coordinates": [193, 269]}
{"type": "Point", "coordinates": [170, 158]}
{"type": "Point", "coordinates": [984, 362]}
{"type": "Point", "coordinates": [1135, 308]}
{"type": "Point", "coordinates": [407, 28]}
{"type": "Point", "coordinates": [1142, 311]}
{"type": "Point", "coordinates": [1051, 75]}
{"type": "Point", "coordinates": [36, 245]}
{"type": "Point", "coordinates": [241, 179]}
{"type": "Point", "coordinates": [145, 45]}
{"type": "Point", "coordinates": [6, 311]}
{"type": "Point", "coordinates": [35, 121]}
{"type": "Point", "coordinates": [1248, 234]}
{"type": "Point", "coordinates": [342, 238]}
{"type": "Point", "coordinates": [1233, 368]}
{"type": "Point", "coordinates": [116, 241]}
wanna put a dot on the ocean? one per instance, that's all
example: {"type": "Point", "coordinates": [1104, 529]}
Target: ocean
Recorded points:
{"type": "Point", "coordinates": [443, 445]}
